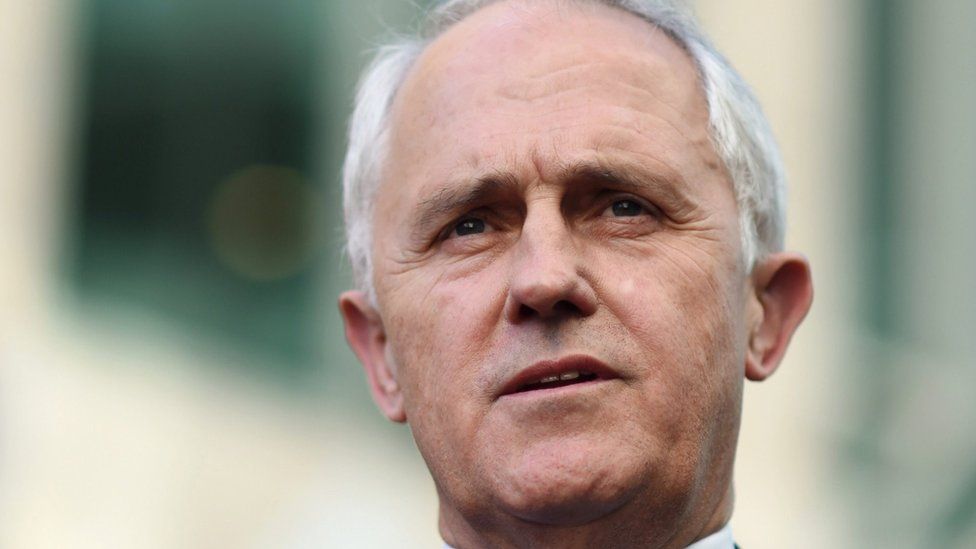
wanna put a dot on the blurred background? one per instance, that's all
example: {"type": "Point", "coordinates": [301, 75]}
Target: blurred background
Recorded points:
{"type": "Point", "coordinates": [172, 367]}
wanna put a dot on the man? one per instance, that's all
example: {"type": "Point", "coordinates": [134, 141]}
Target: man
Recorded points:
{"type": "Point", "coordinates": [566, 224]}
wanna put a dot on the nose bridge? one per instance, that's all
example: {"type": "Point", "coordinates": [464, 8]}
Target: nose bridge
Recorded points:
{"type": "Point", "coordinates": [546, 244]}
{"type": "Point", "coordinates": [546, 277]}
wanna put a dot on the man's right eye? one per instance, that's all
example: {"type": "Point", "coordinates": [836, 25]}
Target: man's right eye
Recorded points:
{"type": "Point", "coordinates": [470, 225]}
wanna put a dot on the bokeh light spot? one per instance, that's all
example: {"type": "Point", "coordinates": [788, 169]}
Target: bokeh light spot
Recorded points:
{"type": "Point", "coordinates": [262, 221]}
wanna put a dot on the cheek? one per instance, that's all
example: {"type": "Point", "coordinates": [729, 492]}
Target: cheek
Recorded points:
{"type": "Point", "coordinates": [440, 342]}
{"type": "Point", "coordinates": [680, 307]}
{"type": "Point", "coordinates": [441, 333]}
{"type": "Point", "coordinates": [628, 288]}
{"type": "Point", "coordinates": [684, 332]}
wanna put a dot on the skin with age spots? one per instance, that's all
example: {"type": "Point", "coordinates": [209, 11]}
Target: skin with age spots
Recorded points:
{"type": "Point", "coordinates": [552, 192]}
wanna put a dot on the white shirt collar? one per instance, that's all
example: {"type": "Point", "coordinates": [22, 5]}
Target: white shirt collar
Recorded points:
{"type": "Point", "coordinates": [719, 540]}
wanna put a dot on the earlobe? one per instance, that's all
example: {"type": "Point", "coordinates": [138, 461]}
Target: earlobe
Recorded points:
{"type": "Point", "coordinates": [367, 338]}
{"type": "Point", "coordinates": [784, 291]}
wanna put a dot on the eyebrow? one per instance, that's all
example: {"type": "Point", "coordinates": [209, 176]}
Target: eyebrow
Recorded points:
{"type": "Point", "coordinates": [629, 177]}
{"type": "Point", "coordinates": [454, 198]}
{"type": "Point", "coordinates": [626, 178]}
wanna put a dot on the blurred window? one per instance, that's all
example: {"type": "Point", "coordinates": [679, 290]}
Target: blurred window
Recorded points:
{"type": "Point", "coordinates": [195, 197]}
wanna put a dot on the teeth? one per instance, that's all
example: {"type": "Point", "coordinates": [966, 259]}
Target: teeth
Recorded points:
{"type": "Point", "coordinates": [559, 377]}
{"type": "Point", "coordinates": [566, 376]}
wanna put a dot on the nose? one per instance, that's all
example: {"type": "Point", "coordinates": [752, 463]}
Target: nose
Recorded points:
{"type": "Point", "coordinates": [548, 276]}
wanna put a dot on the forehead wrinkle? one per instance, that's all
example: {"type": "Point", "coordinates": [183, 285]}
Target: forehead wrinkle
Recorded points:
{"type": "Point", "coordinates": [565, 72]}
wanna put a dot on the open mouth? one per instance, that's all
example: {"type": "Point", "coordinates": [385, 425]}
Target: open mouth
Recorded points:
{"type": "Point", "coordinates": [560, 380]}
{"type": "Point", "coordinates": [553, 374]}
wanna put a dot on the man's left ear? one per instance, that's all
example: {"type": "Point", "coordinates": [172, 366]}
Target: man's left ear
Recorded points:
{"type": "Point", "coordinates": [783, 291]}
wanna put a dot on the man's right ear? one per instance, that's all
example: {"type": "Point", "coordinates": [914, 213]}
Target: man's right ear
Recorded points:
{"type": "Point", "coordinates": [367, 338]}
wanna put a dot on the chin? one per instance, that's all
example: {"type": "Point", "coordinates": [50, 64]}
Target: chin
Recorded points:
{"type": "Point", "coordinates": [565, 485]}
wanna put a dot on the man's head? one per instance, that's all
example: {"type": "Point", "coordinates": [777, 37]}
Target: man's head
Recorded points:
{"type": "Point", "coordinates": [565, 220]}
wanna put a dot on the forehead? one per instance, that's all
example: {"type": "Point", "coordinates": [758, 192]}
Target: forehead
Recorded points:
{"type": "Point", "coordinates": [507, 42]}
{"type": "Point", "coordinates": [518, 79]}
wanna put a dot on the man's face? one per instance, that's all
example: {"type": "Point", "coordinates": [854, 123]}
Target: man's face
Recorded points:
{"type": "Point", "coordinates": [553, 206]}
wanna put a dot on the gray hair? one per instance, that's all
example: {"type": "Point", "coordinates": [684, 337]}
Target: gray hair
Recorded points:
{"type": "Point", "coordinates": [739, 130]}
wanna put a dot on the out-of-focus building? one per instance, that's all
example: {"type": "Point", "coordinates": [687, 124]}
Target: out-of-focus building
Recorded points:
{"type": "Point", "coordinates": [172, 368]}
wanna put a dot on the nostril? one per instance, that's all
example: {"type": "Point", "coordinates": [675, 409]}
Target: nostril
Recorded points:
{"type": "Point", "coordinates": [560, 308]}
{"type": "Point", "coordinates": [565, 306]}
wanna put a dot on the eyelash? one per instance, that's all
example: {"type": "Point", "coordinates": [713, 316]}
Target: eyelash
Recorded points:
{"type": "Point", "coordinates": [647, 208]}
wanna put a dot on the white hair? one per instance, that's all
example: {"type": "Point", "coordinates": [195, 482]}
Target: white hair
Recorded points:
{"type": "Point", "coordinates": [739, 130]}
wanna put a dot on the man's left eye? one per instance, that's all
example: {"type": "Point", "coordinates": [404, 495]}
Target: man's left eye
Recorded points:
{"type": "Point", "coordinates": [470, 225]}
{"type": "Point", "coordinates": [626, 208]}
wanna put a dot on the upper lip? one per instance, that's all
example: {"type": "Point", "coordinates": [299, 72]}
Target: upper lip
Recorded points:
{"type": "Point", "coordinates": [544, 368]}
